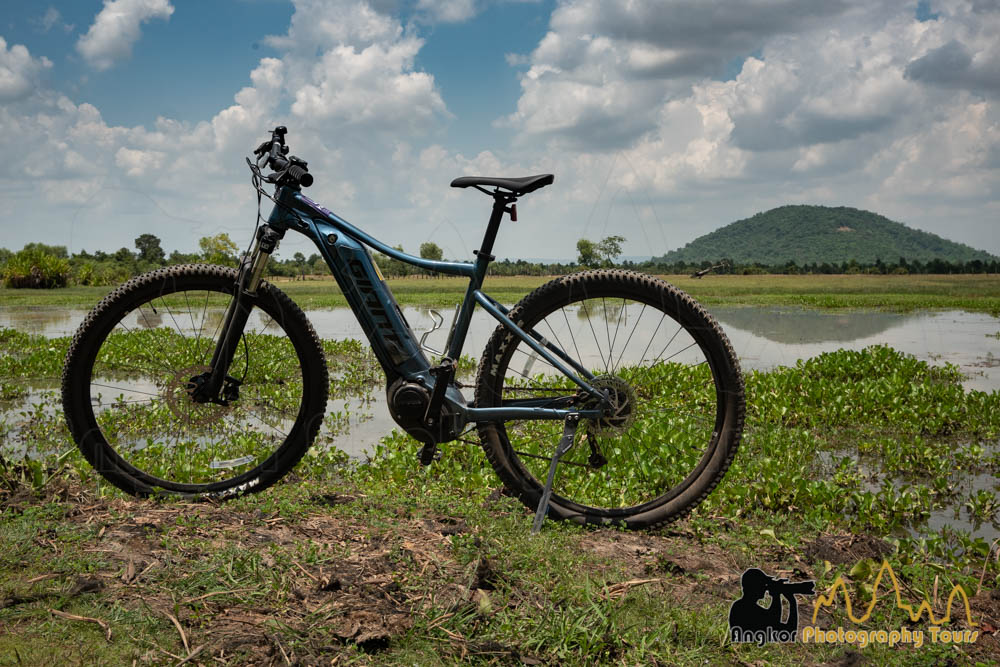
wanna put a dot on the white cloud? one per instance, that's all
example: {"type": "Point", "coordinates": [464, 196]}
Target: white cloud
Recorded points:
{"type": "Point", "coordinates": [19, 72]}
{"type": "Point", "coordinates": [858, 105]}
{"type": "Point", "coordinates": [136, 162]}
{"type": "Point", "coordinates": [447, 11]}
{"type": "Point", "coordinates": [374, 87]}
{"type": "Point", "coordinates": [53, 19]}
{"type": "Point", "coordinates": [326, 23]}
{"type": "Point", "coordinates": [116, 28]}
{"type": "Point", "coordinates": [344, 83]}
{"type": "Point", "coordinates": [659, 126]}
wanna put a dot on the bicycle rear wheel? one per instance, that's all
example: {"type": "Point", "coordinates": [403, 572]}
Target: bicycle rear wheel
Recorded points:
{"type": "Point", "coordinates": [672, 378]}
{"type": "Point", "coordinates": [132, 365]}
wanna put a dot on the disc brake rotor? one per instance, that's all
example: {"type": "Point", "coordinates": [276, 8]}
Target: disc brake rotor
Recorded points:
{"type": "Point", "coordinates": [183, 406]}
{"type": "Point", "coordinates": [622, 410]}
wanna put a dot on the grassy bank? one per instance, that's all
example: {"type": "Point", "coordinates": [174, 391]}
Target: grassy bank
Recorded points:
{"type": "Point", "coordinates": [898, 293]}
{"type": "Point", "coordinates": [848, 459]}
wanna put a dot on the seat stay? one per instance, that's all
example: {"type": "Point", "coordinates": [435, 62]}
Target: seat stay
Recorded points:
{"type": "Point", "coordinates": [579, 368]}
{"type": "Point", "coordinates": [535, 345]}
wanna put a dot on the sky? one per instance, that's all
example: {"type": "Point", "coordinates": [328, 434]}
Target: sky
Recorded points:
{"type": "Point", "coordinates": [661, 121]}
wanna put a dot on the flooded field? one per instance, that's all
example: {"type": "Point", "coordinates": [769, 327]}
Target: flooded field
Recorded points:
{"type": "Point", "coordinates": [764, 338]}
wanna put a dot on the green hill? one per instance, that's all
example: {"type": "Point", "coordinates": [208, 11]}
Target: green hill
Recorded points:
{"type": "Point", "coordinates": [807, 234]}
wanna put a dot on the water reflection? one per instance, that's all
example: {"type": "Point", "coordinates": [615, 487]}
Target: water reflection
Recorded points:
{"type": "Point", "coordinates": [767, 337]}
{"type": "Point", "coordinates": [763, 337]}
{"type": "Point", "coordinates": [44, 320]}
{"type": "Point", "coordinates": [147, 318]}
{"type": "Point", "coordinates": [798, 326]}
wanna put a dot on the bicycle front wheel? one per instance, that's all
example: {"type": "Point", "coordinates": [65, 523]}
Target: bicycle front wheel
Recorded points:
{"type": "Point", "coordinates": [132, 367]}
{"type": "Point", "coordinates": [671, 376]}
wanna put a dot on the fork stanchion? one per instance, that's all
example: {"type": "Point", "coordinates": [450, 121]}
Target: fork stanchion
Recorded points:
{"type": "Point", "coordinates": [565, 444]}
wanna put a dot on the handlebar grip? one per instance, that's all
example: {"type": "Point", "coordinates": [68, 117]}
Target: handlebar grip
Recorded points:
{"type": "Point", "coordinates": [299, 174]}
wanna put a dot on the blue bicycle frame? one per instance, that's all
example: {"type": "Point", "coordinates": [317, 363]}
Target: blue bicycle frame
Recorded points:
{"type": "Point", "coordinates": [344, 247]}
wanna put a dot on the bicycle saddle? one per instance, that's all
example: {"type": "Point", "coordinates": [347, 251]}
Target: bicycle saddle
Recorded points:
{"type": "Point", "coordinates": [518, 186]}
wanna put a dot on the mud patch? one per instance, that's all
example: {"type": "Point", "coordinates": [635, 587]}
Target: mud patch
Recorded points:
{"type": "Point", "coordinates": [847, 549]}
{"type": "Point", "coordinates": [320, 581]}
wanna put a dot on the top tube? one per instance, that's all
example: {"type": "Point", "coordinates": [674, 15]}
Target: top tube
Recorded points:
{"type": "Point", "coordinates": [307, 205]}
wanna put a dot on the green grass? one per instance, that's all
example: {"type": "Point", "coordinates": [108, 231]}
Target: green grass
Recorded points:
{"type": "Point", "coordinates": [898, 293]}
{"type": "Point", "coordinates": [845, 456]}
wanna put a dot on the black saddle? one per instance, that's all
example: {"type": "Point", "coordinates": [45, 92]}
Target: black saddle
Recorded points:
{"type": "Point", "coordinates": [517, 186]}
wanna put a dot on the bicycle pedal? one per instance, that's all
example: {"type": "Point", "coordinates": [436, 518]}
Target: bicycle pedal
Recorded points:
{"type": "Point", "coordinates": [428, 454]}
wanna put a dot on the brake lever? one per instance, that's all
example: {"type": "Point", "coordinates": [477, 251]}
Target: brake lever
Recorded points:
{"type": "Point", "coordinates": [263, 148]}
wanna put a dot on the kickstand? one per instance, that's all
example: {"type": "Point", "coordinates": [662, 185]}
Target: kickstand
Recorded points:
{"type": "Point", "coordinates": [569, 433]}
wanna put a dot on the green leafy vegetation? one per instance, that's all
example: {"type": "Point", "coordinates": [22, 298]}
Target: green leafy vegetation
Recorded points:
{"type": "Point", "coordinates": [820, 234]}
{"type": "Point", "coordinates": [603, 253]}
{"type": "Point", "coordinates": [898, 293]}
{"type": "Point", "coordinates": [37, 268]}
{"type": "Point", "coordinates": [846, 459]}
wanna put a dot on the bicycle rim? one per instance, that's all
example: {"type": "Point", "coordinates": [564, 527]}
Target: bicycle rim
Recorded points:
{"type": "Point", "coordinates": [665, 368]}
{"type": "Point", "coordinates": [140, 392]}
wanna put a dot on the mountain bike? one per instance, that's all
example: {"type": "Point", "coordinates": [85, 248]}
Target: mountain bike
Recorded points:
{"type": "Point", "coordinates": [604, 396]}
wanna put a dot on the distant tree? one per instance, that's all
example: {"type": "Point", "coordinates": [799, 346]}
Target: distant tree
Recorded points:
{"type": "Point", "coordinates": [610, 248]}
{"type": "Point", "coordinates": [431, 251]}
{"type": "Point", "coordinates": [149, 249]}
{"type": "Point", "coordinates": [178, 257]}
{"type": "Point", "coordinates": [123, 256]}
{"type": "Point", "coordinates": [603, 253]}
{"type": "Point", "coordinates": [32, 267]}
{"type": "Point", "coordinates": [587, 254]}
{"type": "Point", "coordinates": [218, 249]}
{"type": "Point", "coordinates": [300, 263]}
{"type": "Point", "coordinates": [54, 250]}
{"type": "Point", "coordinates": [391, 266]}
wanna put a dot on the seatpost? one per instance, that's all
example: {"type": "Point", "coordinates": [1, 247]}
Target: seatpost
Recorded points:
{"type": "Point", "coordinates": [500, 201]}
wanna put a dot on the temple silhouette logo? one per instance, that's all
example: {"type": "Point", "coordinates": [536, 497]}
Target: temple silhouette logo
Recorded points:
{"type": "Point", "coordinates": [935, 631]}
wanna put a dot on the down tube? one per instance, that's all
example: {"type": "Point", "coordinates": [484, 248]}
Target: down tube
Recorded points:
{"type": "Point", "coordinates": [372, 302]}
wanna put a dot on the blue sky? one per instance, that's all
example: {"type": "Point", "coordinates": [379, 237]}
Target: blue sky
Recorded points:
{"type": "Point", "coordinates": [661, 120]}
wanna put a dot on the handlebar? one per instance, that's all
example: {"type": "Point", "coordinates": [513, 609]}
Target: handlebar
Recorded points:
{"type": "Point", "coordinates": [289, 170]}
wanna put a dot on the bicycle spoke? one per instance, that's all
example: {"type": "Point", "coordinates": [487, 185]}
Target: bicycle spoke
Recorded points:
{"type": "Point", "coordinates": [618, 321]}
{"type": "Point", "coordinates": [663, 413]}
{"type": "Point", "coordinates": [597, 344]}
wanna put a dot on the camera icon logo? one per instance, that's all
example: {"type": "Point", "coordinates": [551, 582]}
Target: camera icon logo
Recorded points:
{"type": "Point", "coordinates": [754, 619]}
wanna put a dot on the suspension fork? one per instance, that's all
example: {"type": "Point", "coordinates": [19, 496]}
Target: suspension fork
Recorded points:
{"type": "Point", "coordinates": [248, 280]}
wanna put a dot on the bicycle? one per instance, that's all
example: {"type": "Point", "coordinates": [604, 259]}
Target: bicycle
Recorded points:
{"type": "Point", "coordinates": [206, 381]}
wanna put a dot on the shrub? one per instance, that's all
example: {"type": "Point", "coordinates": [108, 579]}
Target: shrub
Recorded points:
{"type": "Point", "coordinates": [33, 267]}
{"type": "Point", "coordinates": [101, 273]}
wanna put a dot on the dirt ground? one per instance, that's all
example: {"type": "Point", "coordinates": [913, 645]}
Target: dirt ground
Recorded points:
{"type": "Point", "coordinates": [376, 583]}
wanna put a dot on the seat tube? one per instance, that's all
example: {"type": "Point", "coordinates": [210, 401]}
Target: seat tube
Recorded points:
{"type": "Point", "coordinates": [483, 259]}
